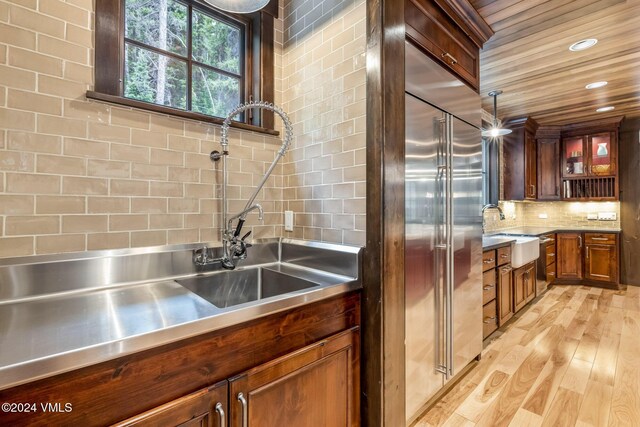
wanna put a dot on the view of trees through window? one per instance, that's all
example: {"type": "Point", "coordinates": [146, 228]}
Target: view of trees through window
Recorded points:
{"type": "Point", "coordinates": [164, 64]}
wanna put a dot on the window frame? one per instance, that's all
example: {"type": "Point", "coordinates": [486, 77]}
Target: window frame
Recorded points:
{"type": "Point", "coordinates": [258, 62]}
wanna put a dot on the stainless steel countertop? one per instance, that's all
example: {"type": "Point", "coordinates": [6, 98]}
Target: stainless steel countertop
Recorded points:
{"type": "Point", "coordinates": [48, 335]}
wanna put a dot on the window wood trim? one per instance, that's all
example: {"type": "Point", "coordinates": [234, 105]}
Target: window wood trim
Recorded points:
{"type": "Point", "coordinates": [109, 66]}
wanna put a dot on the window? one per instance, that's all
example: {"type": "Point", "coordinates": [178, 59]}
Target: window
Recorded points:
{"type": "Point", "coordinates": [490, 169]}
{"type": "Point", "coordinates": [184, 58]}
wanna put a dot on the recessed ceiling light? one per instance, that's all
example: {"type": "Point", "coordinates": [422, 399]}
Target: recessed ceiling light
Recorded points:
{"type": "Point", "coordinates": [596, 85]}
{"type": "Point", "coordinates": [583, 44]}
{"type": "Point", "coordinates": [605, 109]}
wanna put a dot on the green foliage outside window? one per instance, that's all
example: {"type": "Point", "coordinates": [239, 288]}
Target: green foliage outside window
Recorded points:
{"type": "Point", "coordinates": [161, 76]}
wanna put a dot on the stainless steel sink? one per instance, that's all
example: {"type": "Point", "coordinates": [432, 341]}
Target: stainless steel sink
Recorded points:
{"type": "Point", "coordinates": [228, 288]}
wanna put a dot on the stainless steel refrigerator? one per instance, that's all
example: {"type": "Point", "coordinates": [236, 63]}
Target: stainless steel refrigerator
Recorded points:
{"type": "Point", "coordinates": [443, 228]}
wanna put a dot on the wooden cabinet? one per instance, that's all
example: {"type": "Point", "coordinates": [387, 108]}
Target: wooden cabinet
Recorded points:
{"type": "Point", "coordinates": [505, 294]}
{"type": "Point", "coordinates": [598, 263]}
{"type": "Point", "coordinates": [601, 257]}
{"type": "Point", "coordinates": [489, 318]}
{"type": "Point", "coordinates": [497, 291]}
{"type": "Point", "coordinates": [550, 258]}
{"type": "Point", "coordinates": [315, 386]}
{"type": "Point", "coordinates": [524, 285]}
{"type": "Point", "coordinates": [434, 30]}
{"type": "Point", "coordinates": [207, 407]}
{"type": "Point", "coordinates": [548, 167]}
{"type": "Point", "coordinates": [520, 159]}
{"type": "Point", "coordinates": [589, 156]}
{"type": "Point", "coordinates": [182, 382]}
{"type": "Point", "coordinates": [530, 281]}
{"type": "Point", "coordinates": [569, 256]}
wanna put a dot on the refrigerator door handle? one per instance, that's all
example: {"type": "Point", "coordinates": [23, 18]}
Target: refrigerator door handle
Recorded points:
{"type": "Point", "coordinates": [450, 248]}
{"type": "Point", "coordinates": [440, 249]}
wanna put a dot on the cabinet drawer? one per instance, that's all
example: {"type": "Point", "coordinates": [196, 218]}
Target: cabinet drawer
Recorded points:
{"type": "Point", "coordinates": [488, 260]}
{"type": "Point", "coordinates": [504, 255]}
{"type": "Point", "coordinates": [551, 272]}
{"type": "Point", "coordinates": [551, 255]}
{"type": "Point", "coordinates": [432, 29]}
{"type": "Point", "coordinates": [599, 238]}
{"type": "Point", "coordinates": [489, 318]}
{"type": "Point", "coordinates": [488, 286]}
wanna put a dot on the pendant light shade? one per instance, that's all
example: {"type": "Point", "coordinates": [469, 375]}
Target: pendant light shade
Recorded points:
{"type": "Point", "coordinates": [238, 6]}
{"type": "Point", "coordinates": [495, 131]}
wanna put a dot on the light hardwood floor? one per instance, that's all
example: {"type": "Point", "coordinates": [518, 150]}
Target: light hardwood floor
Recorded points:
{"type": "Point", "coordinates": [572, 359]}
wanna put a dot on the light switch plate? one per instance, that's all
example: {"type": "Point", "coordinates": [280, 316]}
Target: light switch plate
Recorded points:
{"type": "Point", "coordinates": [607, 216]}
{"type": "Point", "coordinates": [543, 216]}
{"type": "Point", "coordinates": [592, 215]}
{"type": "Point", "coordinates": [288, 220]}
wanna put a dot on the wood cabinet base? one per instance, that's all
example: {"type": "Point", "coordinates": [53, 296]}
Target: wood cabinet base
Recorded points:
{"type": "Point", "coordinates": [118, 389]}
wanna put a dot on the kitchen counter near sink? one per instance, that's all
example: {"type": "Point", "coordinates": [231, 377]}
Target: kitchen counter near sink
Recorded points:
{"type": "Point", "coordinates": [60, 313]}
{"type": "Point", "coordinates": [494, 242]}
{"type": "Point", "coordinates": [539, 231]}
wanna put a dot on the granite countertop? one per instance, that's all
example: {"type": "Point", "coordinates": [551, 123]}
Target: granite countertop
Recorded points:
{"type": "Point", "coordinates": [539, 231]}
{"type": "Point", "coordinates": [494, 242]}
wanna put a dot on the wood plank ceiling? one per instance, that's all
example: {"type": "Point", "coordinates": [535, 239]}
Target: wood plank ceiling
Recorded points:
{"type": "Point", "coordinates": [529, 58]}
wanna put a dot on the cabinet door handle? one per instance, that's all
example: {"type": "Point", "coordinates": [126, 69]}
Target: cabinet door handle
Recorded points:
{"type": "Point", "coordinates": [454, 61]}
{"type": "Point", "coordinates": [220, 411]}
{"type": "Point", "coordinates": [488, 261]}
{"type": "Point", "coordinates": [599, 238]}
{"type": "Point", "coordinates": [486, 288]}
{"type": "Point", "coordinates": [245, 415]}
{"type": "Point", "coordinates": [504, 256]}
{"type": "Point", "coordinates": [489, 319]}
{"type": "Point", "coordinates": [579, 241]}
{"type": "Point", "coordinates": [586, 249]}
{"type": "Point", "coordinates": [506, 269]}
{"type": "Point", "coordinates": [551, 254]}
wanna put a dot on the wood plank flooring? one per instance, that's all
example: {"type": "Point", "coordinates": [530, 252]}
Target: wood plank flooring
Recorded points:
{"type": "Point", "coordinates": [571, 359]}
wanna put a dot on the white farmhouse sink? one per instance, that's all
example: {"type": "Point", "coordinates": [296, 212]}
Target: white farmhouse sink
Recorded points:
{"type": "Point", "coordinates": [525, 249]}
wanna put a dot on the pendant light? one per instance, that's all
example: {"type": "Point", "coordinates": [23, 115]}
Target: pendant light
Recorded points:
{"type": "Point", "coordinates": [238, 6]}
{"type": "Point", "coordinates": [495, 131]}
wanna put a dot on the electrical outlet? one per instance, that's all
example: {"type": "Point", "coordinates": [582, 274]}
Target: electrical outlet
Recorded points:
{"type": "Point", "coordinates": [288, 220]}
{"type": "Point", "coordinates": [543, 216]}
{"type": "Point", "coordinates": [607, 216]}
{"type": "Point", "coordinates": [592, 216]}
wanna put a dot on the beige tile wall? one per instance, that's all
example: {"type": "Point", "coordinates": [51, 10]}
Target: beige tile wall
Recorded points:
{"type": "Point", "coordinates": [323, 89]}
{"type": "Point", "coordinates": [559, 214]}
{"type": "Point", "coordinates": [80, 175]}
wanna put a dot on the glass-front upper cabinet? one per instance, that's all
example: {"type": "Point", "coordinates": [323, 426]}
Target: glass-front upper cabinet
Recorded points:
{"type": "Point", "coordinates": [589, 155]}
{"type": "Point", "coordinates": [601, 154]}
{"type": "Point", "coordinates": [574, 157]}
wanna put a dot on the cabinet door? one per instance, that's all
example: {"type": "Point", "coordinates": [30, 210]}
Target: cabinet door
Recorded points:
{"type": "Point", "coordinates": [519, 288]}
{"type": "Point", "coordinates": [574, 157]}
{"type": "Point", "coordinates": [530, 169]}
{"type": "Point", "coordinates": [313, 387]}
{"type": "Point", "coordinates": [602, 154]}
{"type": "Point", "coordinates": [601, 263]}
{"type": "Point", "coordinates": [569, 256]}
{"type": "Point", "coordinates": [505, 295]}
{"type": "Point", "coordinates": [530, 281]}
{"type": "Point", "coordinates": [204, 408]}
{"type": "Point", "coordinates": [549, 169]}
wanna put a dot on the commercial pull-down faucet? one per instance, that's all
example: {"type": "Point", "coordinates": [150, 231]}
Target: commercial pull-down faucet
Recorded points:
{"type": "Point", "coordinates": [492, 206]}
{"type": "Point", "coordinates": [234, 247]}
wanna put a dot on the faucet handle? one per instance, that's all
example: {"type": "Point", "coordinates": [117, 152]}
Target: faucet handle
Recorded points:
{"type": "Point", "coordinates": [248, 245]}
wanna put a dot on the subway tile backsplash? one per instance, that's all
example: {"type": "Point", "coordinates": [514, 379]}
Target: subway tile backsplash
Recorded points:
{"type": "Point", "coordinates": [558, 214]}
{"type": "Point", "coordinates": [82, 175]}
